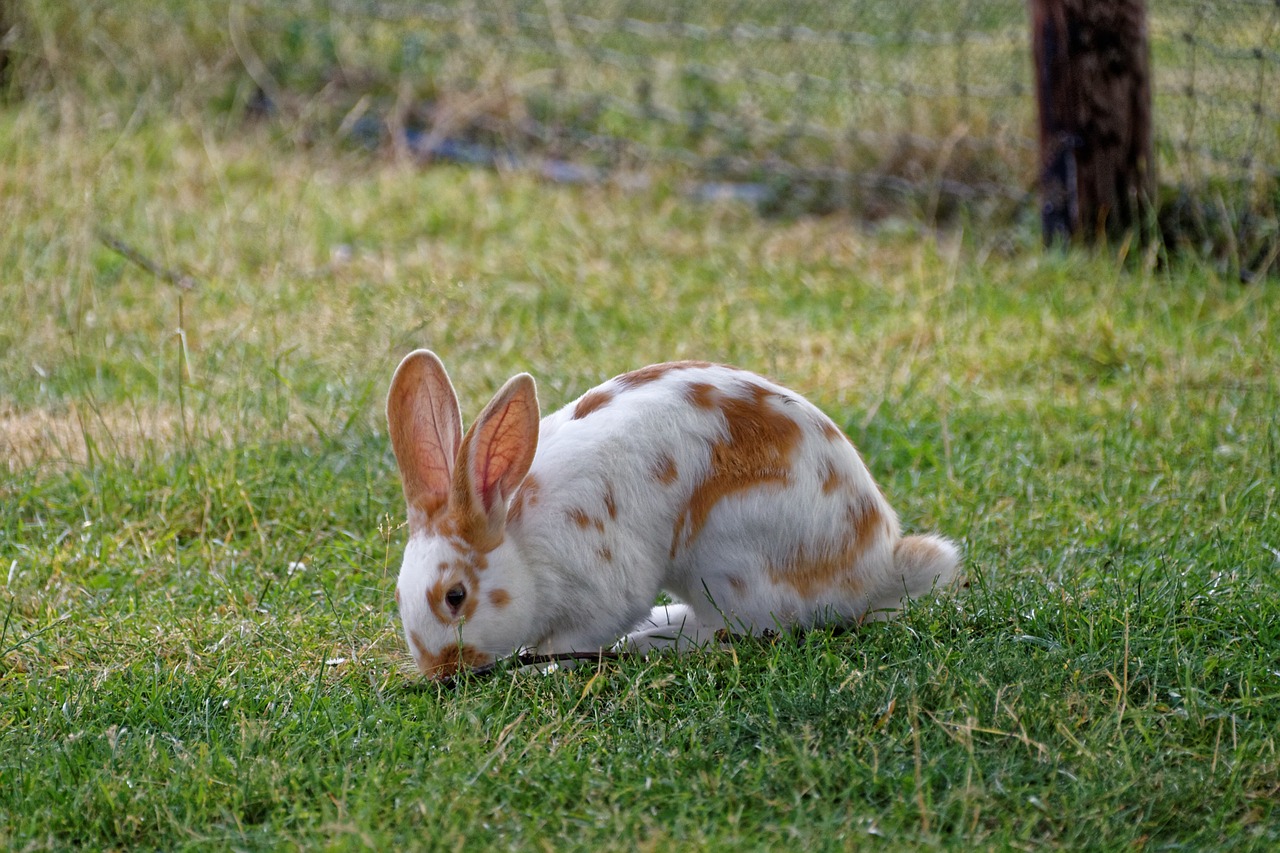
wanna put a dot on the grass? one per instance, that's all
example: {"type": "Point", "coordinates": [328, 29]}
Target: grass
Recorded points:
{"type": "Point", "coordinates": [199, 534]}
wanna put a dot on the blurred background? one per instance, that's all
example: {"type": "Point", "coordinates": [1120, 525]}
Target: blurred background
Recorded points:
{"type": "Point", "coordinates": [915, 107]}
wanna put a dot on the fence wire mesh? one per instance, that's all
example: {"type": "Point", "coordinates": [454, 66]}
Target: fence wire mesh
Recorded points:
{"type": "Point", "coordinates": [798, 104]}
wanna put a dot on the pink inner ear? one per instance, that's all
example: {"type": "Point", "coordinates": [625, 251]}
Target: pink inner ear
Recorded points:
{"type": "Point", "coordinates": [425, 427]}
{"type": "Point", "coordinates": [498, 457]}
{"type": "Point", "coordinates": [506, 439]}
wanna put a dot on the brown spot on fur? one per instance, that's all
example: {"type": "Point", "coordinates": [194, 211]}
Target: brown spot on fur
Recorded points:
{"type": "Point", "coordinates": [702, 395]}
{"type": "Point", "coordinates": [499, 598]}
{"type": "Point", "coordinates": [654, 372]}
{"type": "Point", "coordinates": [755, 454]}
{"type": "Point", "coordinates": [470, 529]}
{"type": "Point", "coordinates": [664, 469]}
{"type": "Point", "coordinates": [737, 584]}
{"type": "Point", "coordinates": [812, 571]}
{"type": "Point", "coordinates": [467, 562]}
{"type": "Point", "coordinates": [831, 432]}
{"type": "Point", "coordinates": [583, 520]}
{"type": "Point", "coordinates": [425, 515]}
{"type": "Point", "coordinates": [833, 479]}
{"type": "Point", "coordinates": [595, 399]}
{"type": "Point", "coordinates": [864, 516]}
{"type": "Point", "coordinates": [448, 660]}
{"type": "Point", "coordinates": [417, 647]}
{"type": "Point", "coordinates": [427, 509]}
{"type": "Point", "coordinates": [610, 505]}
{"type": "Point", "coordinates": [525, 496]}
{"type": "Point", "coordinates": [605, 554]}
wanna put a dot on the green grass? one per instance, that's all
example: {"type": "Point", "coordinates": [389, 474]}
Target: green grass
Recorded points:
{"type": "Point", "coordinates": [199, 542]}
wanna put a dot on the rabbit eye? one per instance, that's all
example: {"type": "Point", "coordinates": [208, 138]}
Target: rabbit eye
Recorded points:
{"type": "Point", "coordinates": [455, 596]}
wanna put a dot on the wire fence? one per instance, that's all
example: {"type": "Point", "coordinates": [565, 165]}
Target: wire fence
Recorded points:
{"type": "Point", "coordinates": [801, 106]}
{"type": "Point", "coordinates": [1216, 71]}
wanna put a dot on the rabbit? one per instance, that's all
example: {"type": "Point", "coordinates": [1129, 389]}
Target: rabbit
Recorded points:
{"type": "Point", "coordinates": [734, 495]}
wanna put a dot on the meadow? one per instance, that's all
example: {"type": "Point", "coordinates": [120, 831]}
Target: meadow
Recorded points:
{"type": "Point", "coordinates": [200, 518]}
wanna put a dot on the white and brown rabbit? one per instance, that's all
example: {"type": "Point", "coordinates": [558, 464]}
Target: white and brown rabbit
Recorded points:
{"type": "Point", "coordinates": [732, 494]}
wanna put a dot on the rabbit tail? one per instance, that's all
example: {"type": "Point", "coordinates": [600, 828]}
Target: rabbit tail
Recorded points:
{"type": "Point", "coordinates": [921, 564]}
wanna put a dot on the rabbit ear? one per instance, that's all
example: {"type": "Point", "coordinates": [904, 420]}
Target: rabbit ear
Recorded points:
{"type": "Point", "coordinates": [497, 452]}
{"type": "Point", "coordinates": [426, 428]}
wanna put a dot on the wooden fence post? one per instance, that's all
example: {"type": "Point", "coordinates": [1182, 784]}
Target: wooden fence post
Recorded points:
{"type": "Point", "coordinates": [7, 22]}
{"type": "Point", "coordinates": [1093, 91]}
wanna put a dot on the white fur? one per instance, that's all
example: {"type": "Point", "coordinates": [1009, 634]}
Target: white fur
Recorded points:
{"type": "Point", "coordinates": [566, 596]}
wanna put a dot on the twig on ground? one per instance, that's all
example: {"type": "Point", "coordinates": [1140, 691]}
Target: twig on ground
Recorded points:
{"type": "Point", "coordinates": [488, 669]}
{"type": "Point", "coordinates": [182, 280]}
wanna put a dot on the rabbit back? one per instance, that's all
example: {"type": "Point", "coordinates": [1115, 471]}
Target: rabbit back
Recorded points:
{"type": "Point", "coordinates": [732, 493]}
